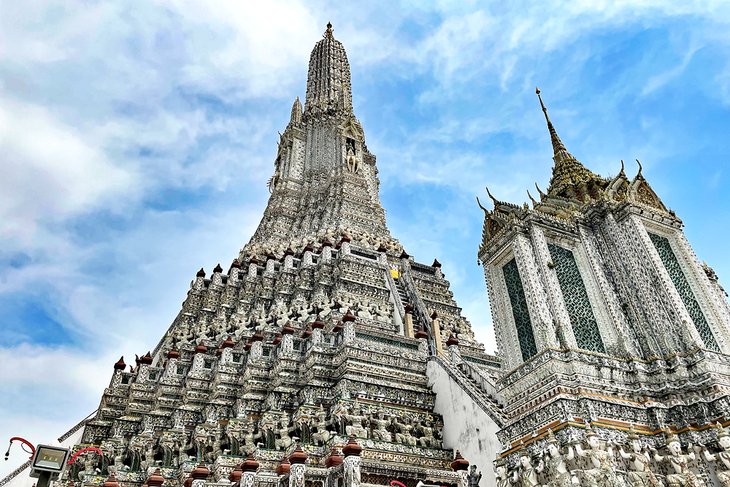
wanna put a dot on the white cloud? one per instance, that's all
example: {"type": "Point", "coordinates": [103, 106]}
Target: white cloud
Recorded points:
{"type": "Point", "coordinates": [660, 79]}
{"type": "Point", "coordinates": [49, 170]}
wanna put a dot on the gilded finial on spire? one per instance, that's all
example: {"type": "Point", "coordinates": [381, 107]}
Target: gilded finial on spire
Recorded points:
{"type": "Point", "coordinates": [328, 32]}
{"type": "Point", "coordinates": [537, 92]}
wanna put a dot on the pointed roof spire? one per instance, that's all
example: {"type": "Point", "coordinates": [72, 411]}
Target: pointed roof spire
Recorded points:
{"type": "Point", "coordinates": [568, 172]}
{"type": "Point", "coordinates": [557, 143]}
{"type": "Point", "coordinates": [296, 111]}
{"type": "Point", "coordinates": [329, 88]}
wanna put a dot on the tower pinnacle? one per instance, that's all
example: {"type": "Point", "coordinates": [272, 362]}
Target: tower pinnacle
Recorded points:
{"type": "Point", "coordinates": [328, 80]}
{"type": "Point", "coordinates": [568, 172]}
{"type": "Point", "coordinates": [325, 183]}
{"type": "Point", "coordinates": [557, 143]}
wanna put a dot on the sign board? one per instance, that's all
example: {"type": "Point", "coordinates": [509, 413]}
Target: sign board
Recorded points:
{"type": "Point", "coordinates": [49, 459]}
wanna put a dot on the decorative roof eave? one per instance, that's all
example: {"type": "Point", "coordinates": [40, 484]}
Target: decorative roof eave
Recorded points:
{"type": "Point", "coordinates": [498, 218]}
{"type": "Point", "coordinates": [562, 225]}
{"type": "Point", "coordinates": [352, 125]}
{"type": "Point", "coordinates": [501, 208]}
{"type": "Point", "coordinates": [618, 187]}
{"type": "Point", "coordinates": [494, 244]}
{"type": "Point", "coordinates": [640, 192]}
{"type": "Point", "coordinates": [559, 207]}
{"type": "Point", "coordinates": [649, 212]}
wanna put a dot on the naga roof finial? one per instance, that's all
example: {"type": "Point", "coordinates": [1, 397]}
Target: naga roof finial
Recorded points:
{"type": "Point", "coordinates": [534, 203]}
{"type": "Point", "coordinates": [641, 168]}
{"type": "Point", "coordinates": [480, 206]}
{"type": "Point", "coordinates": [494, 200]}
{"type": "Point", "coordinates": [539, 191]}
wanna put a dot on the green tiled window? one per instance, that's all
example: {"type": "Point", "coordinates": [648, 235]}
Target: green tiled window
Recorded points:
{"type": "Point", "coordinates": [585, 327]}
{"type": "Point", "coordinates": [519, 309]}
{"type": "Point", "coordinates": [671, 264]}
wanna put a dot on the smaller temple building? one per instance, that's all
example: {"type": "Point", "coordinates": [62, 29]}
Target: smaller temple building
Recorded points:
{"type": "Point", "coordinates": [614, 337]}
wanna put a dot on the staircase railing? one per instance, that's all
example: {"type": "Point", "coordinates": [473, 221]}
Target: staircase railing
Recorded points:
{"type": "Point", "coordinates": [14, 473]}
{"type": "Point", "coordinates": [483, 380]}
{"type": "Point", "coordinates": [478, 395]}
{"type": "Point", "coordinates": [394, 291]}
{"type": "Point", "coordinates": [420, 312]}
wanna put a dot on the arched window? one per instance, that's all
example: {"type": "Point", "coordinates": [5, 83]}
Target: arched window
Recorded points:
{"type": "Point", "coordinates": [582, 320]}
{"type": "Point", "coordinates": [671, 264]}
{"type": "Point", "coordinates": [519, 309]}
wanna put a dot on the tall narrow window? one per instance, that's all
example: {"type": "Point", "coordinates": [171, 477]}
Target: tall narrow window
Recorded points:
{"type": "Point", "coordinates": [585, 327]}
{"type": "Point", "coordinates": [671, 264]}
{"type": "Point", "coordinates": [519, 309]}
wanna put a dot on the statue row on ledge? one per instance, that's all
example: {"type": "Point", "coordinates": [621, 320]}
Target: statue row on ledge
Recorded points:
{"type": "Point", "coordinates": [601, 467]}
{"type": "Point", "coordinates": [275, 430]}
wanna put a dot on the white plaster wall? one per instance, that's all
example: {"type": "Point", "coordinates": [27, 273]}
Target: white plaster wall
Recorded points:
{"type": "Point", "coordinates": [466, 426]}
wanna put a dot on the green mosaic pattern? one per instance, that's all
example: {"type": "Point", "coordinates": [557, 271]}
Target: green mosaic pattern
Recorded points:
{"type": "Point", "coordinates": [519, 309]}
{"type": "Point", "coordinates": [671, 264]}
{"type": "Point", "coordinates": [585, 327]}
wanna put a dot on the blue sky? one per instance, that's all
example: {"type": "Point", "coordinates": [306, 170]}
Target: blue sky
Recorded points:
{"type": "Point", "coordinates": [136, 140]}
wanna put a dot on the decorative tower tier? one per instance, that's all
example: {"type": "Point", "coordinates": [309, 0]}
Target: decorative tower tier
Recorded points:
{"type": "Point", "coordinates": [614, 337]}
{"type": "Point", "coordinates": [325, 355]}
{"type": "Point", "coordinates": [325, 182]}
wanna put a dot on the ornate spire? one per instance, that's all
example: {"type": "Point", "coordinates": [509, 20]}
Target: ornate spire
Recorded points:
{"type": "Point", "coordinates": [569, 176]}
{"type": "Point", "coordinates": [296, 112]}
{"type": "Point", "coordinates": [328, 81]}
{"type": "Point", "coordinates": [325, 185]}
{"type": "Point", "coordinates": [557, 143]}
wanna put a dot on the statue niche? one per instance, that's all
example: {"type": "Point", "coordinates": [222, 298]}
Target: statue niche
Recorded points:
{"type": "Point", "coordinates": [353, 163]}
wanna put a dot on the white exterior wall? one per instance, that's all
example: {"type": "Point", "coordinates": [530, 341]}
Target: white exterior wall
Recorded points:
{"type": "Point", "coordinates": [467, 427]}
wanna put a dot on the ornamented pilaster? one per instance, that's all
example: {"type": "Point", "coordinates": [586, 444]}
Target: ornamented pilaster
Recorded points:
{"type": "Point", "coordinates": [297, 469]}
{"type": "Point", "coordinates": [454, 354]}
{"type": "Point", "coordinates": [351, 463]}
{"type": "Point", "coordinates": [249, 468]}
{"type": "Point", "coordinates": [682, 321]}
{"type": "Point", "coordinates": [542, 321]}
{"type": "Point", "coordinates": [621, 331]}
{"type": "Point", "coordinates": [554, 294]}
{"type": "Point", "coordinates": [436, 329]}
{"type": "Point", "coordinates": [460, 465]}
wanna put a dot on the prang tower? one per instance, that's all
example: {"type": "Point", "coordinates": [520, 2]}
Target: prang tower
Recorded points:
{"type": "Point", "coordinates": [612, 334]}
{"type": "Point", "coordinates": [324, 356]}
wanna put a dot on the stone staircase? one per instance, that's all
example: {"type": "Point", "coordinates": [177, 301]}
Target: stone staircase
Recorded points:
{"type": "Point", "coordinates": [400, 288]}
{"type": "Point", "coordinates": [477, 385]}
{"type": "Point", "coordinates": [483, 382]}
